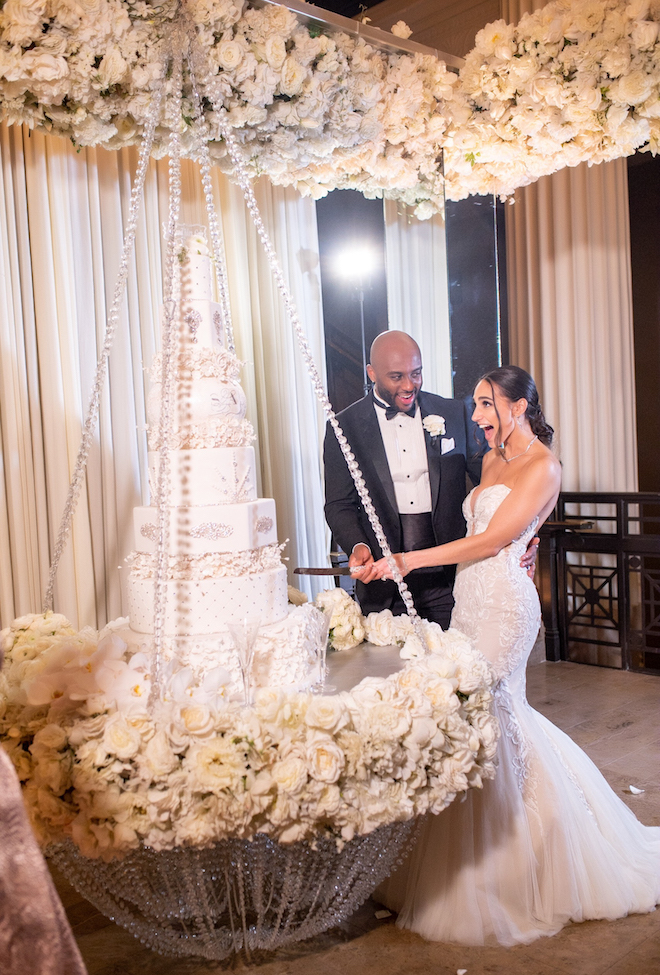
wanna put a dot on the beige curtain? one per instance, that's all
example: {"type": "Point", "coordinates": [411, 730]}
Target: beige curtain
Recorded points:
{"type": "Point", "coordinates": [570, 312]}
{"type": "Point", "coordinates": [417, 289]}
{"type": "Point", "coordinates": [62, 215]}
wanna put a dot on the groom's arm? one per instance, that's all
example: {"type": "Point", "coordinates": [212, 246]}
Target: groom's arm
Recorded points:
{"type": "Point", "coordinates": [342, 503]}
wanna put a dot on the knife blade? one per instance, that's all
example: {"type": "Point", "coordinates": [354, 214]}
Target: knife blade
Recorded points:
{"type": "Point", "coordinates": [337, 570]}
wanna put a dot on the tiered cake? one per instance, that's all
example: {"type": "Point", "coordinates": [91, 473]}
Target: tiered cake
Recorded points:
{"type": "Point", "coordinates": [224, 559]}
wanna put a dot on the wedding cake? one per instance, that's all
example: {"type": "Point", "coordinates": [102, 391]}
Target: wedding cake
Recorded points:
{"type": "Point", "coordinates": [225, 563]}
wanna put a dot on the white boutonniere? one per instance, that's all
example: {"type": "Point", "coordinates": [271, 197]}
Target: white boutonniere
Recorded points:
{"type": "Point", "coordinates": [435, 425]}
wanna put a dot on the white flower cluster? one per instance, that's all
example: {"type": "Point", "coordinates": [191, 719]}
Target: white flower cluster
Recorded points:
{"type": "Point", "coordinates": [96, 766]}
{"type": "Point", "coordinates": [312, 109]}
{"type": "Point", "coordinates": [346, 621]}
{"type": "Point", "coordinates": [577, 80]}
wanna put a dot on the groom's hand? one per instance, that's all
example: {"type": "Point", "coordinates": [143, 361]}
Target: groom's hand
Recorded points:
{"type": "Point", "coordinates": [361, 563]}
{"type": "Point", "coordinates": [528, 561]}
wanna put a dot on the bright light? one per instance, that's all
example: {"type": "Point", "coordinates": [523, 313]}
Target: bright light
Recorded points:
{"type": "Point", "coordinates": [355, 262]}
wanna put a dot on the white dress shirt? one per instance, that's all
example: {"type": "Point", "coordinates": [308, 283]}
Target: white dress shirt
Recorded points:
{"type": "Point", "coordinates": [405, 448]}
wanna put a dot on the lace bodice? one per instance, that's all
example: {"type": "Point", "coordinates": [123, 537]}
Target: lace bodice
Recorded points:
{"type": "Point", "coordinates": [496, 601]}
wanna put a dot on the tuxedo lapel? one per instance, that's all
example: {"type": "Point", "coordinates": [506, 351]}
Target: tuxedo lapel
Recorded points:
{"type": "Point", "coordinates": [375, 450]}
{"type": "Point", "coordinates": [434, 455]}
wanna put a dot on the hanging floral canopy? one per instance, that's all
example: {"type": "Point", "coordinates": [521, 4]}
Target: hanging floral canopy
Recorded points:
{"type": "Point", "coordinates": [578, 80]}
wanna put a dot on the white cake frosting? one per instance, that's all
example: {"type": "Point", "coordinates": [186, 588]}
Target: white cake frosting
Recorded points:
{"type": "Point", "coordinates": [216, 475]}
{"type": "Point", "coordinates": [224, 563]}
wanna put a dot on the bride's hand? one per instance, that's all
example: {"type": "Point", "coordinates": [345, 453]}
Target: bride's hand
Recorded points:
{"type": "Point", "coordinates": [382, 570]}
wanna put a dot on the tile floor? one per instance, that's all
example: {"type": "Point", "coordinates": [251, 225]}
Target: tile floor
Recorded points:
{"type": "Point", "coordinates": [615, 717]}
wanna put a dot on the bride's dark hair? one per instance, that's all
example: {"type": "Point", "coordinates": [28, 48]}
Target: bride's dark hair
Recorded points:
{"type": "Point", "coordinates": [517, 384]}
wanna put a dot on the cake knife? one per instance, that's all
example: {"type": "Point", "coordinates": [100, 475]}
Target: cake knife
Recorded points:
{"type": "Point", "coordinates": [336, 570]}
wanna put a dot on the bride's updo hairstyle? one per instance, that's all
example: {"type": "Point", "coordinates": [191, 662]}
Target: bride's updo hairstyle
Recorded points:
{"type": "Point", "coordinates": [514, 383]}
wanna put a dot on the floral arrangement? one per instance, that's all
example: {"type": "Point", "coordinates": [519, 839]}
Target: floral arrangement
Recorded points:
{"type": "Point", "coordinates": [434, 425]}
{"type": "Point", "coordinates": [348, 628]}
{"type": "Point", "coordinates": [578, 80]}
{"type": "Point", "coordinates": [98, 767]}
{"type": "Point", "coordinates": [346, 621]}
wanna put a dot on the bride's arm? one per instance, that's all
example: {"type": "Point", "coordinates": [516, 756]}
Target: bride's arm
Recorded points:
{"type": "Point", "coordinates": [534, 493]}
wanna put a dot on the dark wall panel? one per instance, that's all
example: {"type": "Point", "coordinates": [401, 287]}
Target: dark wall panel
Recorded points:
{"type": "Point", "coordinates": [644, 200]}
{"type": "Point", "coordinates": [475, 263]}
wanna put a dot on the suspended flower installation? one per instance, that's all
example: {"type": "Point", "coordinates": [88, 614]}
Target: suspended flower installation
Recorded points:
{"type": "Point", "coordinates": [318, 109]}
{"type": "Point", "coordinates": [99, 768]}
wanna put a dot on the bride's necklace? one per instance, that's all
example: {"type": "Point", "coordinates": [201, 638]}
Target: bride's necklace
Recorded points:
{"type": "Point", "coordinates": [516, 456]}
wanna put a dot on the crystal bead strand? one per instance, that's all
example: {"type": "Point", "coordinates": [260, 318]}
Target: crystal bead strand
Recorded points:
{"type": "Point", "coordinates": [204, 158]}
{"type": "Point", "coordinates": [89, 424]}
{"type": "Point", "coordinates": [168, 365]}
{"type": "Point", "coordinates": [244, 181]}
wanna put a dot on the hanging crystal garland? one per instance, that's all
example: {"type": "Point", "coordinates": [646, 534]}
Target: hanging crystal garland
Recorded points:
{"type": "Point", "coordinates": [184, 34]}
{"type": "Point", "coordinates": [89, 424]}
{"type": "Point", "coordinates": [243, 178]}
{"type": "Point", "coordinates": [169, 355]}
{"type": "Point", "coordinates": [202, 133]}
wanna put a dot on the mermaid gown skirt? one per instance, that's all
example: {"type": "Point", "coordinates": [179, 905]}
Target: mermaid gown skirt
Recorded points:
{"type": "Point", "coordinates": [545, 842]}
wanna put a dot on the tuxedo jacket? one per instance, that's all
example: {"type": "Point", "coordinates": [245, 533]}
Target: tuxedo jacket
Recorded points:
{"type": "Point", "coordinates": [343, 510]}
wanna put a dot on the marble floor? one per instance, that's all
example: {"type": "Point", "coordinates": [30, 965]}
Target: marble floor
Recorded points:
{"type": "Point", "coordinates": [615, 717]}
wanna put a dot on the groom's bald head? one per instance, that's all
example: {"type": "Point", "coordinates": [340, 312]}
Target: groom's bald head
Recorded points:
{"type": "Point", "coordinates": [395, 367]}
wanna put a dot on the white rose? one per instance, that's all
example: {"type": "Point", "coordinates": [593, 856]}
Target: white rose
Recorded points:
{"type": "Point", "coordinates": [197, 720]}
{"type": "Point", "coordinates": [379, 629]}
{"type": "Point", "coordinates": [644, 34]}
{"type": "Point", "coordinates": [159, 756]}
{"type": "Point", "coordinates": [51, 736]}
{"type": "Point", "coordinates": [327, 713]}
{"type": "Point", "coordinates": [290, 775]}
{"type": "Point", "coordinates": [291, 77]}
{"type": "Point", "coordinates": [442, 694]}
{"type": "Point", "coordinates": [275, 50]}
{"type": "Point", "coordinates": [388, 722]}
{"type": "Point", "coordinates": [631, 89]}
{"type": "Point", "coordinates": [216, 765]}
{"type": "Point", "coordinates": [412, 648]}
{"type": "Point", "coordinates": [52, 771]}
{"type": "Point", "coordinates": [422, 732]}
{"type": "Point", "coordinates": [325, 760]}
{"type": "Point", "coordinates": [370, 690]}
{"type": "Point", "coordinates": [229, 55]}
{"type": "Point", "coordinates": [43, 66]}
{"type": "Point", "coordinates": [112, 68]}
{"type": "Point", "coordinates": [329, 802]}
{"type": "Point", "coordinates": [120, 739]}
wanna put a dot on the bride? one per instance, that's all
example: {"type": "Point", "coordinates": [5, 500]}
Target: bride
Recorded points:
{"type": "Point", "coordinates": [547, 841]}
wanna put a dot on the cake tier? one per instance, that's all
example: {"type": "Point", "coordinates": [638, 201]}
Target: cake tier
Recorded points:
{"type": "Point", "coordinates": [195, 269]}
{"type": "Point", "coordinates": [209, 404]}
{"type": "Point", "coordinates": [199, 401]}
{"type": "Point", "coordinates": [204, 606]}
{"type": "Point", "coordinates": [285, 652]}
{"type": "Point", "coordinates": [197, 529]}
{"type": "Point", "coordinates": [218, 475]}
{"type": "Point", "coordinates": [201, 324]}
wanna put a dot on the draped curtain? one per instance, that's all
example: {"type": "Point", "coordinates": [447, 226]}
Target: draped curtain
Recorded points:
{"type": "Point", "coordinates": [418, 291]}
{"type": "Point", "coordinates": [62, 215]}
{"type": "Point", "coordinates": [570, 312]}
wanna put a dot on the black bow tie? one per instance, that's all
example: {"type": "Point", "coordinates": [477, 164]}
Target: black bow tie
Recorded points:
{"type": "Point", "coordinates": [392, 411]}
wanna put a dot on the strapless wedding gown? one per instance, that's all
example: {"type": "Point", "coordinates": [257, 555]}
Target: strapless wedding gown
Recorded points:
{"type": "Point", "coordinates": [547, 841]}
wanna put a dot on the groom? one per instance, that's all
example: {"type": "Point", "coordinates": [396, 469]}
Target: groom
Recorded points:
{"type": "Point", "coordinates": [414, 450]}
